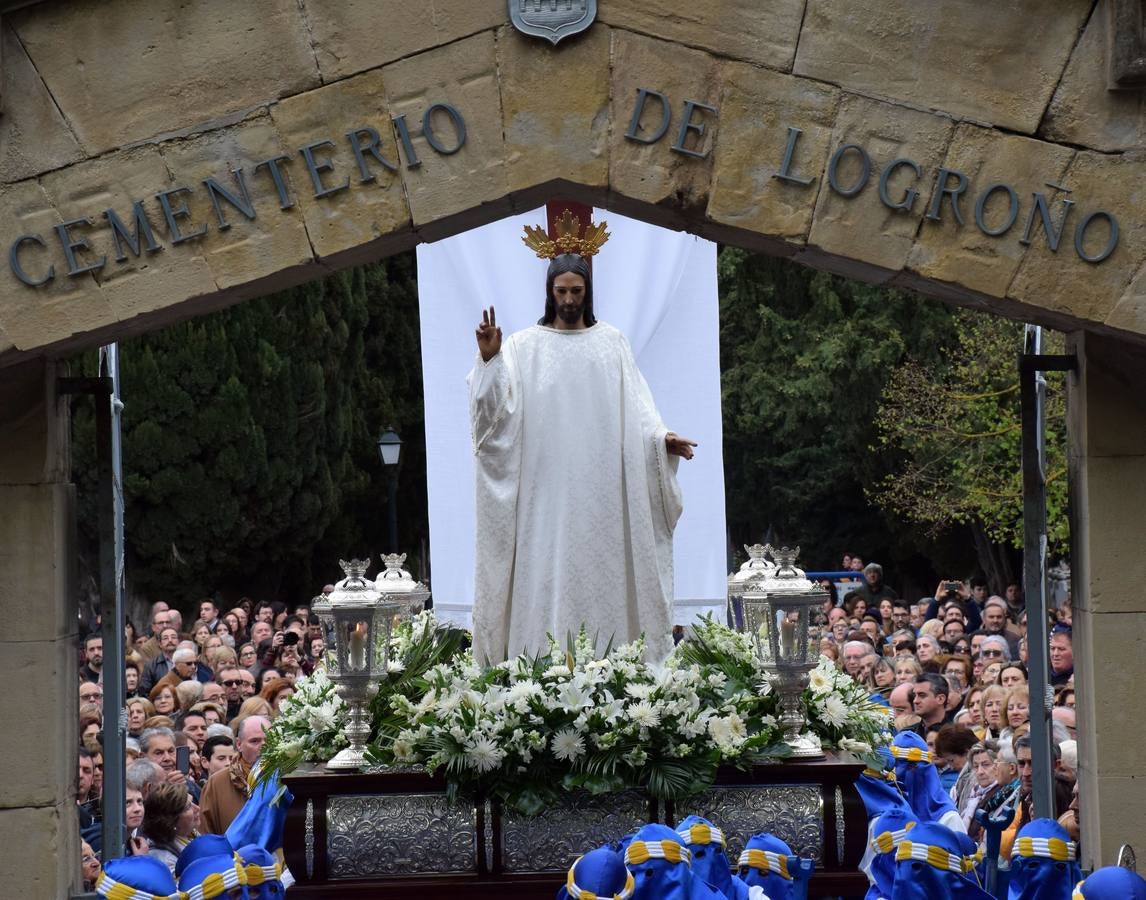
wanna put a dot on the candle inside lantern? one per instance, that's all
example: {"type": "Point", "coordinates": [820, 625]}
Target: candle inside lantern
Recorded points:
{"type": "Point", "coordinates": [357, 646]}
{"type": "Point", "coordinates": [787, 638]}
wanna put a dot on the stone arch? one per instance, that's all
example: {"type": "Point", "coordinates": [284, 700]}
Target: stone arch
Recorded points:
{"type": "Point", "coordinates": [109, 104]}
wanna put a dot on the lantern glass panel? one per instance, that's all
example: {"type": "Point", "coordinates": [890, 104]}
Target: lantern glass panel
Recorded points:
{"type": "Point", "coordinates": [356, 637]}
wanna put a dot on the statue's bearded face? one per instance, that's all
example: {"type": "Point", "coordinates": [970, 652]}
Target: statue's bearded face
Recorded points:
{"type": "Point", "coordinates": [569, 297]}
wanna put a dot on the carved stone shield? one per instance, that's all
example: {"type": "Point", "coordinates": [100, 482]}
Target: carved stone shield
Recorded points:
{"type": "Point", "coordinates": [552, 19]}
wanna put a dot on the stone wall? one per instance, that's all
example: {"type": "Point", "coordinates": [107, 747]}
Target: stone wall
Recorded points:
{"type": "Point", "coordinates": [38, 821]}
{"type": "Point", "coordinates": [108, 102]}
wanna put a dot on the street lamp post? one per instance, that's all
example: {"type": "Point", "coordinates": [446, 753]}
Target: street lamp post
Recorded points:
{"type": "Point", "coordinates": [390, 450]}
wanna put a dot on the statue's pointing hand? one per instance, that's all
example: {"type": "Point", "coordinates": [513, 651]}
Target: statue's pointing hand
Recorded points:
{"type": "Point", "coordinates": [679, 446]}
{"type": "Point", "coordinates": [488, 335]}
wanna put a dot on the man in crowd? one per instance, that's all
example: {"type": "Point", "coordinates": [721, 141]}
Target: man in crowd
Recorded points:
{"type": "Point", "coordinates": [930, 699]}
{"type": "Point", "coordinates": [901, 615]}
{"type": "Point", "coordinates": [194, 725]}
{"type": "Point", "coordinates": [90, 693]}
{"type": "Point", "coordinates": [92, 670]}
{"type": "Point", "coordinates": [159, 620]}
{"type": "Point", "coordinates": [873, 589]}
{"type": "Point", "coordinates": [854, 653]}
{"type": "Point", "coordinates": [209, 613]}
{"type": "Point", "coordinates": [995, 622]}
{"type": "Point", "coordinates": [218, 753]}
{"type": "Point", "coordinates": [261, 631]}
{"type": "Point", "coordinates": [163, 662]}
{"type": "Point", "coordinates": [158, 745]}
{"type": "Point", "coordinates": [214, 693]}
{"type": "Point", "coordinates": [1061, 655]}
{"type": "Point", "coordinates": [227, 790]}
{"type": "Point", "coordinates": [230, 678]}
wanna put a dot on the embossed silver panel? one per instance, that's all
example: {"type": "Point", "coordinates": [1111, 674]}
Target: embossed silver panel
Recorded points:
{"type": "Point", "coordinates": [399, 834]}
{"type": "Point", "coordinates": [552, 840]}
{"type": "Point", "coordinates": [792, 812]}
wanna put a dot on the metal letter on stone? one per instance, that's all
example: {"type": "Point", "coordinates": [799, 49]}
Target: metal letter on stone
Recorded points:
{"type": "Point", "coordinates": [552, 19]}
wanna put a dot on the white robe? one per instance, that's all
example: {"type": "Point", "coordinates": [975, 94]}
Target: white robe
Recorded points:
{"type": "Point", "coordinates": [577, 497]}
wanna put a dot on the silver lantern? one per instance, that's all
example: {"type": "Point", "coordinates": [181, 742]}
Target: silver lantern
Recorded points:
{"type": "Point", "coordinates": [355, 621]}
{"type": "Point", "coordinates": [398, 588]}
{"type": "Point", "coordinates": [755, 569]}
{"type": "Point", "coordinates": [777, 611]}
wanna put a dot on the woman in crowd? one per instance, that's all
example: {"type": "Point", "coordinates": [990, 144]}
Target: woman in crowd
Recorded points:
{"type": "Point", "coordinates": [961, 666]}
{"type": "Point", "coordinates": [1013, 675]}
{"type": "Point", "coordinates": [926, 646]}
{"type": "Point", "coordinates": [906, 668]}
{"type": "Point", "coordinates": [983, 763]}
{"type": "Point", "coordinates": [248, 657]}
{"type": "Point", "coordinates": [1016, 709]}
{"type": "Point", "coordinates": [170, 822]}
{"type": "Point", "coordinates": [275, 691]}
{"type": "Point", "coordinates": [131, 677]}
{"type": "Point", "coordinates": [210, 648]}
{"type": "Point", "coordinates": [200, 632]}
{"type": "Point", "coordinates": [252, 706]}
{"type": "Point", "coordinates": [139, 710]}
{"type": "Point", "coordinates": [91, 724]}
{"type": "Point", "coordinates": [973, 704]}
{"type": "Point", "coordinates": [212, 712]}
{"type": "Point", "coordinates": [952, 746]}
{"type": "Point", "coordinates": [188, 693]}
{"type": "Point", "coordinates": [133, 815]}
{"type": "Point", "coordinates": [885, 615]}
{"type": "Point", "coordinates": [225, 658]}
{"type": "Point", "coordinates": [991, 673]}
{"type": "Point", "coordinates": [163, 698]}
{"type": "Point", "coordinates": [316, 649]}
{"type": "Point", "coordinates": [266, 676]}
{"type": "Point", "coordinates": [993, 700]}
{"type": "Point", "coordinates": [232, 622]}
{"type": "Point", "coordinates": [962, 647]}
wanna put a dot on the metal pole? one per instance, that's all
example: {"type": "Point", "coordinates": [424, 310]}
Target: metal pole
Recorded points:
{"type": "Point", "coordinates": [1032, 390]}
{"type": "Point", "coordinates": [392, 503]}
{"type": "Point", "coordinates": [109, 448]}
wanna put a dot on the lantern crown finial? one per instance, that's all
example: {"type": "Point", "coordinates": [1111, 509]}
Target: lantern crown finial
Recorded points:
{"type": "Point", "coordinates": [355, 571]}
{"type": "Point", "coordinates": [786, 558]}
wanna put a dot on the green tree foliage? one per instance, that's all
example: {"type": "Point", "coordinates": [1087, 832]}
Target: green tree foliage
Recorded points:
{"type": "Point", "coordinates": [249, 437]}
{"type": "Point", "coordinates": [805, 356]}
{"type": "Point", "coordinates": [953, 422]}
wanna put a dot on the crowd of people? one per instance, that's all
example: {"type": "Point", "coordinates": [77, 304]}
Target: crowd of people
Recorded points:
{"type": "Point", "coordinates": [198, 701]}
{"type": "Point", "coordinates": [953, 669]}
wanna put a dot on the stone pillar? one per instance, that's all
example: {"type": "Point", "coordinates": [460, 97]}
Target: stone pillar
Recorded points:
{"type": "Point", "coordinates": [1107, 420]}
{"type": "Point", "coordinates": [38, 702]}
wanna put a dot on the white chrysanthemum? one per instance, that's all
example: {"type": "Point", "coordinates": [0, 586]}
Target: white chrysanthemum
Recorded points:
{"type": "Point", "coordinates": [403, 751]}
{"type": "Point", "coordinates": [834, 711]}
{"type": "Point", "coordinates": [820, 682]}
{"type": "Point", "coordinates": [644, 714]}
{"type": "Point", "coordinates": [639, 691]}
{"type": "Point", "coordinates": [484, 755]}
{"type": "Point", "coordinates": [568, 744]}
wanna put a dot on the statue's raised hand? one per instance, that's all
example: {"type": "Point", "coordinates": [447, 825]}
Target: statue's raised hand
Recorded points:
{"type": "Point", "coordinates": [488, 335]}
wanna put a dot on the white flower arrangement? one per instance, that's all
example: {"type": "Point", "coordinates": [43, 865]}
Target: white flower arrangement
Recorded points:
{"type": "Point", "coordinates": [841, 712]}
{"type": "Point", "coordinates": [309, 726]}
{"type": "Point", "coordinates": [531, 727]}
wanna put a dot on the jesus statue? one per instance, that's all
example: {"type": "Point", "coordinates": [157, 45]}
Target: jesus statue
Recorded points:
{"type": "Point", "coordinates": [577, 494]}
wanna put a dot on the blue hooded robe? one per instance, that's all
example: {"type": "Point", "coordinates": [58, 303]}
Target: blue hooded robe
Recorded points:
{"type": "Point", "coordinates": [709, 861]}
{"type": "Point", "coordinates": [1043, 862]}
{"type": "Point", "coordinates": [930, 865]}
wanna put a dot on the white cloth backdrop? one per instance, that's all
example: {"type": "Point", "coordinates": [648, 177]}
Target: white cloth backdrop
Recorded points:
{"type": "Point", "coordinates": [656, 286]}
